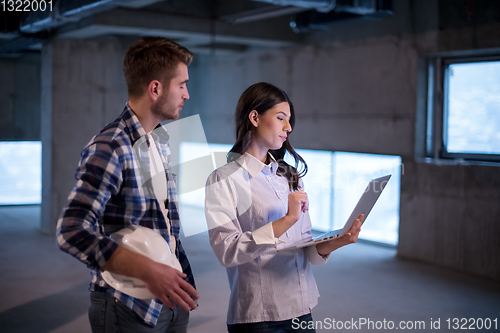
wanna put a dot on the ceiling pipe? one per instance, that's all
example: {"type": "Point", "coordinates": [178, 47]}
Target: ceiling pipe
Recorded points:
{"type": "Point", "coordinates": [261, 14]}
{"type": "Point", "coordinates": [65, 11]}
{"type": "Point", "coordinates": [345, 10]}
{"type": "Point", "coordinates": [323, 6]}
{"type": "Point", "coordinates": [35, 26]}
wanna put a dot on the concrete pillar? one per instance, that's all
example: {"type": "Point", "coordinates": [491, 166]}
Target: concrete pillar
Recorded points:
{"type": "Point", "coordinates": [199, 90]}
{"type": "Point", "coordinates": [20, 96]}
{"type": "Point", "coordinates": [83, 89]}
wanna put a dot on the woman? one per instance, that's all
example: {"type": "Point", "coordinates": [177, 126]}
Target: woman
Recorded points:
{"type": "Point", "coordinates": [256, 205]}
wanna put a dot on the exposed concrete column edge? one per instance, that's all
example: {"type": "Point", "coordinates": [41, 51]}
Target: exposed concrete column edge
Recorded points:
{"type": "Point", "coordinates": [47, 226]}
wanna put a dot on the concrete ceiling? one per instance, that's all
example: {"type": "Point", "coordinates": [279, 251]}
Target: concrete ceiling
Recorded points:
{"type": "Point", "coordinates": [200, 25]}
{"type": "Point", "coordinates": [193, 22]}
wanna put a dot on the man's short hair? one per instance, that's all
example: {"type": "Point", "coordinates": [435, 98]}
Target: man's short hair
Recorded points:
{"type": "Point", "coordinates": [152, 58]}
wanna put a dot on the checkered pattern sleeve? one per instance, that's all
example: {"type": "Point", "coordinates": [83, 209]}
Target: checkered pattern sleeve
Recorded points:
{"type": "Point", "coordinates": [98, 177]}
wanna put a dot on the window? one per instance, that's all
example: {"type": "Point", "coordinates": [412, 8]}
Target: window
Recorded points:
{"type": "Point", "coordinates": [465, 122]}
{"type": "Point", "coordinates": [334, 183]}
{"type": "Point", "coordinates": [20, 172]}
{"type": "Point", "coordinates": [351, 174]}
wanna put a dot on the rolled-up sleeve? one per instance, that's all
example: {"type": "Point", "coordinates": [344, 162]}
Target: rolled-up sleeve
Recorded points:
{"type": "Point", "coordinates": [231, 245]}
{"type": "Point", "coordinates": [314, 257]}
{"type": "Point", "coordinates": [98, 177]}
{"type": "Point", "coordinates": [265, 235]}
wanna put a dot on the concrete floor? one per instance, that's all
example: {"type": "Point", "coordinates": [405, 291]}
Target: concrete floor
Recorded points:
{"type": "Point", "coordinates": [45, 290]}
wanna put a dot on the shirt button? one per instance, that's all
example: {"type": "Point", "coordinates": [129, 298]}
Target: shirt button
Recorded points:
{"type": "Point", "coordinates": [302, 274]}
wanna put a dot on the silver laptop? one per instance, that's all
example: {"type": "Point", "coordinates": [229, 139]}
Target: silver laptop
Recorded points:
{"type": "Point", "coordinates": [364, 206]}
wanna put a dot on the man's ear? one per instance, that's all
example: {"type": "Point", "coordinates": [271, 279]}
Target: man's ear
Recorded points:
{"type": "Point", "coordinates": [154, 89]}
{"type": "Point", "coordinates": [254, 118]}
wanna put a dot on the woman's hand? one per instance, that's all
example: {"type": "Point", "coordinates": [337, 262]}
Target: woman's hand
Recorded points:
{"type": "Point", "coordinates": [297, 203]}
{"type": "Point", "coordinates": [348, 238]}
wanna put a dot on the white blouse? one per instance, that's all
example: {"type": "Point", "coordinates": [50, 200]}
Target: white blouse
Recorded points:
{"type": "Point", "coordinates": [242, 198]}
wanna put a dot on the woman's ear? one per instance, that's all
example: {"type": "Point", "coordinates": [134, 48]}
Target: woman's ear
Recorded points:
{"type": "Point", "coordinates": [254, 118]}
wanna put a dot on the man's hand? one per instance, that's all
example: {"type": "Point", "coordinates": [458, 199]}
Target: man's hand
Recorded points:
{"type": "Point", "coordinates": [164, 282]}
{"type": "Point", "coordinates": [169, 286]}
{"type": "Point", "coordinates": [348, 238]}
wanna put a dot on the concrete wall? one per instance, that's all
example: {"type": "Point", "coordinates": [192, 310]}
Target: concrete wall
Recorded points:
{"type": "Point", "coordinates": [83, 89]}
{"type": "Point", "coordinates": [450, 216]}
{"type": "Point", "coordinates": [360, 94]}
{"type": "Point", "coordinates": [20, 98]}
{"type": "Point", "coordinates": [355, 88]}
{"type": "Point", "coordinates": [352, 101]}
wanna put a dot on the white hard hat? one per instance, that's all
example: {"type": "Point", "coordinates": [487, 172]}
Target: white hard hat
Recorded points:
{"type": "Point", "coordinates": [144, 241]}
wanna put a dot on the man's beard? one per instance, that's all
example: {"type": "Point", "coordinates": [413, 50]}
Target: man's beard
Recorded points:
{"type": "Point", "coordinates": [163, 109]}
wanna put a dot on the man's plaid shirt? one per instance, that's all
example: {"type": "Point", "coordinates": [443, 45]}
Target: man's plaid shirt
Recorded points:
{"type": "Point", "coordinates": [112, 192]}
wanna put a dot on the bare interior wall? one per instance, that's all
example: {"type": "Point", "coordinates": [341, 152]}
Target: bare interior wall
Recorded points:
{"type": "Point", "coordinates": [358, 93]}
{"type": "Point", "coordinates": [361, 96]}
{"type": "Point", "coordinates": [20, 98]}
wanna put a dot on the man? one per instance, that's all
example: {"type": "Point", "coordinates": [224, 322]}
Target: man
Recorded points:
{"type": "Point", "coordinates": [109, 195]}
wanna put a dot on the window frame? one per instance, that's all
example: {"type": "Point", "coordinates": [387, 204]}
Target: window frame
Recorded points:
{"type": "Point", "coordinates": [436, 86]}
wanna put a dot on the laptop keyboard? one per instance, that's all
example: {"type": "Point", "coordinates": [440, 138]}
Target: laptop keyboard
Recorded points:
{"type": "Point", "coordinates": [328, 234]}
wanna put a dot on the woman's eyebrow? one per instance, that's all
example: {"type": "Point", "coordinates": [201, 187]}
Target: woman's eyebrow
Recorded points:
{"type": "Point", "coordinates": [284, 114]}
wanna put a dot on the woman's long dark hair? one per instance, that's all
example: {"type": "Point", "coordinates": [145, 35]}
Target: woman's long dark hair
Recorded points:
{"type": "Point", "coordinates": [261, 97]}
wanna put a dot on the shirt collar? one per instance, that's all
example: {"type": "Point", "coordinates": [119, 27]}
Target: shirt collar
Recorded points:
{"type": "Point", "coordinates": [135, 128]}
{"type": "Point", "coordinates": [254, 166]}
{"type": "Point", "coordinates": [137, 131]}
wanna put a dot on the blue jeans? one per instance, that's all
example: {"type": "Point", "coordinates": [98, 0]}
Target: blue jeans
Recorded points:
{"type": "Point", "coordinates": [108, 315]}
{"type": "Point", "coordinates": [284, 326]}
